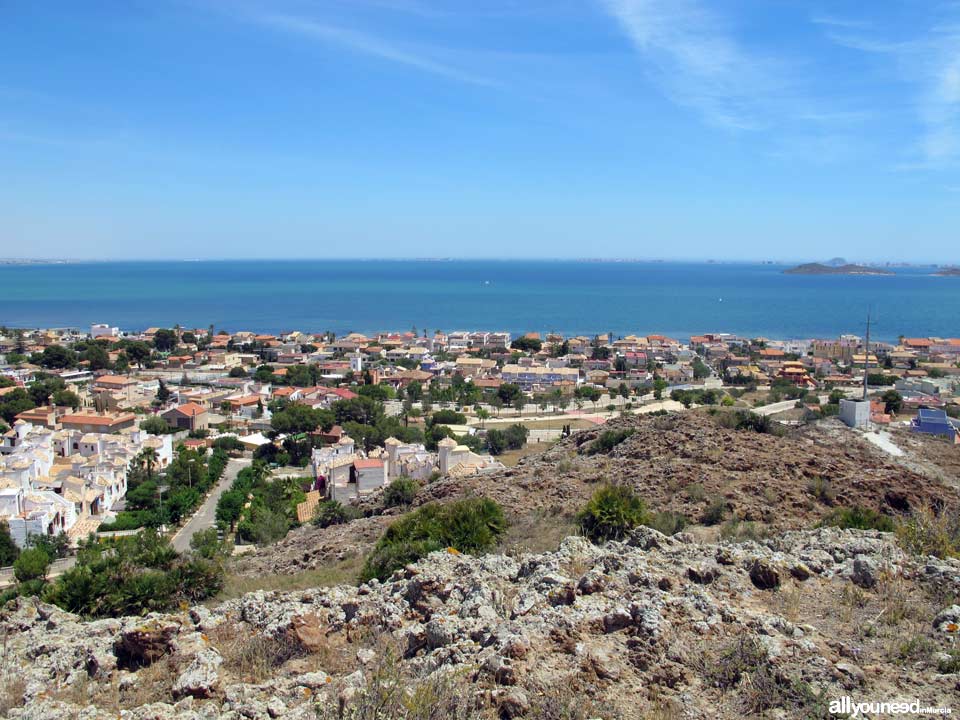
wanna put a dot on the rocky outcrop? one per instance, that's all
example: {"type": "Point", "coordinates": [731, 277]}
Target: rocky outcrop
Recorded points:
{"type": "Point", "coordinates": [652, 624]}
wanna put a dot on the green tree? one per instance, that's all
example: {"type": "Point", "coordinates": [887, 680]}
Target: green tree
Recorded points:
{"type": "Point", "coordinates": [165, 340]}
{"type": "Point", "coordinates": [298, 418]}
{"type": "Point", "coordinates": [14, 403]}
{"type": "Point", "coordinates": [263, 374]}
{"type": "Point", "coordinates": [57, 357]}
{"type": "Point", "coordinates": [96, 356]}
{"type": "Point", "coordinates": [893, 401]}
{"type": "Point", "coordinates": [155, 425]}
{"type": "Point", "coordinates": [66, 398]}
{"type": "Point", "coordinates": [163, 393]}
{"type": "Point", "coordinates": [229, 507]}
{"type": "Point", "coordinates": [659, 385]}
{"type": "Point", "coordinates": [138, 352]}
{"type": "Point", "coordinates": [8, 548]}
{"type": "Point", "coordinates": [508, 392]}
{"type": "Point", "coordinates": [32, 564]}
{"type": "Point", "coordinates": [527, 344]}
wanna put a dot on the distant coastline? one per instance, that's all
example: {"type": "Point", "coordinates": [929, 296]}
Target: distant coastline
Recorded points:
{"type": "Point", "coordinates": [846, 269]}
{"type": "Point", "coordinates": [948, 272]}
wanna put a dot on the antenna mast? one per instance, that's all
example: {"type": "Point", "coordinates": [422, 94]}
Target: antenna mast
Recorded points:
{"type": "Point", "coordinates": [866, 358]}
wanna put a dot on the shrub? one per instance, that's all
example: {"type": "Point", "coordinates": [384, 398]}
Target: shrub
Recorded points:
{"type": "Point", "coordinates": [263, 527]}
{"type": "Point", "coordinates": [132, 576]}
{"type": "Point", "coordinates": [715, 512]}
{"type": "Point", "coordinates": [331, 512]}
{"type": "Point", "coordinates": [860, 518]}
{"type": "Point", "coordinates": [927, 534]}
{"type": "Point", "coordinates": [55, 546]}
{"type": "Point", "coordinates": [229, 443]}
{"type": "Point", "coordinates": [822, 490]}
{"type": "Point", "coordinates": [472, 525]}
{"type": "Point", "coordinates": [155, 425]}
{"type": "Point", "coordinates": [736, 530]}
{"type": "Point", "coordinates": [448, 417]}
{"type": "Point", "coordinates": [32, 564]}
{"type": "Point", "coordinates": [667, 522]}
{"type": "Point", "coordinates": [401, 491]}
{"type": "Point", "coordinates": [612, 512]}
{"type": "Point", "coordinates": [207, 544]}
{"type": "Point", "coordinates": [607, 440]}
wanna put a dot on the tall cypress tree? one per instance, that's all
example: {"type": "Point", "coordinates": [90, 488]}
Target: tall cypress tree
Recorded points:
{"type": "Point", "coordinates": [8, 548]}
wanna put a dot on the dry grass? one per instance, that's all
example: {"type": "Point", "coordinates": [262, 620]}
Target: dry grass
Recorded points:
{"type": "Point", "coordinates": [788, 601]}
{"type": "Point", "coordinates": [249, 656]}
{"type": "Point", "coordinates": [391, 693]}
{"type": "Point", "coordinates": [12, 689]}
{"type": "Point", "coordinates": [537, 533]}
{"type": "Point", "coordinates": [344, 572]}
{"type": "Point", "coordinates": [511, 457]}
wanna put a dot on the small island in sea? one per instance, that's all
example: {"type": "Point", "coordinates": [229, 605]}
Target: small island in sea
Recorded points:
{"type": "Point", "coordinates": [846, 269]}
{"type": "Point", "coordinates": [948, 272]}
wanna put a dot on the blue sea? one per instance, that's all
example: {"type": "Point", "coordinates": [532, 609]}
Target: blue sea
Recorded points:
{"type": "Point", "coordinates": [571, 297]}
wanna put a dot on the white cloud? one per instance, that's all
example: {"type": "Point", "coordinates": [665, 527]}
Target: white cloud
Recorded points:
{"type": "Point", "coordinates": [698, 62]}
{"type": "Point", "coordinates": [368, 44]}
{"type": "Point", "coordinates": [931, 64]}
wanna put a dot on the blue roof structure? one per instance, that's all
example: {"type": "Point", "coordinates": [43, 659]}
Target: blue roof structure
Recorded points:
{"type": "Point", "coordinates": [933, 422]}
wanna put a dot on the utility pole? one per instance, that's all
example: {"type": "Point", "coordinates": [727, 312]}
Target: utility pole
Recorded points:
{"type": "Point", "coordinates": [866, 358]}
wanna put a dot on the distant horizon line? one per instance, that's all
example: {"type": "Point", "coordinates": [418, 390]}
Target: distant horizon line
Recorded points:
{"type": "Point", "coordinates": [698, 261]}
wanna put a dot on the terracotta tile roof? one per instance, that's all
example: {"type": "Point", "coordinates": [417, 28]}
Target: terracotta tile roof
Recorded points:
{"type": "Point", "coordinates": [367, 464]}
{"type": "Point", "coordinates": [190, 409]}
{"type": "Point", "coordinates": [308, 508]}
{"type": "Point", "coordinates": [114, 380]}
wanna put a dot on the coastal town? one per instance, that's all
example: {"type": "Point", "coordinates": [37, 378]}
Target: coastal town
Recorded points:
{"type": "Point", "coordinates": [346, 416]}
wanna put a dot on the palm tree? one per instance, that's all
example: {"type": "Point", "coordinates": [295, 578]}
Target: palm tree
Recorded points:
{"type": "Point", "coordinates": [482, 415]}
{"type": "Point", "coordinates": [149, 458]}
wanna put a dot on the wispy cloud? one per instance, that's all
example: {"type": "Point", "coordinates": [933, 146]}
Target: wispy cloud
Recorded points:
{"type": "Point", "coordinates": [372, 45]}
{"type": "Point", "coordinates": [931, 65]}
{"type": "Point", "coordinates": [838, 22]}
{"type": "Point", "coordinates": [698, 62]}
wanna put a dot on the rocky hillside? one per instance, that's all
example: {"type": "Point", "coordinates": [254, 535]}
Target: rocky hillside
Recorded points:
{"type": "Point", "coordinates": [686, 463]}
{"type": "Point", "coordinates": [655, 627]}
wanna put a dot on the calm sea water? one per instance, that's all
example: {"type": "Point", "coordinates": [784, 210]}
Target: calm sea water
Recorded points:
{"type": "Point", "coordinates": [519, 296]}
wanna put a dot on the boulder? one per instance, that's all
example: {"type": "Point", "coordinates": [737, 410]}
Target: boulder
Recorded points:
{"type": "Point", "coordinates": [146, 642]}
{"type": "Point", "coordinates": [864, 572]}
{"type": "Point", "coordinates": [201, 677]}
{"type": "Point", "coordinates": [764, 575]}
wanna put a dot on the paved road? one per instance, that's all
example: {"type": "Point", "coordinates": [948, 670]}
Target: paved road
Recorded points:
{"type": "Point", "coordinates": [205, 517]}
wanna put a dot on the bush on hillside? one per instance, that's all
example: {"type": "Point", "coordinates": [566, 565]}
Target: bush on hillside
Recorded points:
{"type": "Point", "coordinates": [612, 512]}
{"type": "Point", "coordinates": [925, 533]}
{"type": "Point", "coordinates": [331, 512]}
{"type": "Point", "coordinates": [472, 526]}
{"type": "Point", "coordinates": [715, 512]}
{"type": "Point", "coordinates": [401, 491]}
{"type": "Point", "coordinates": [860, 518]}
{"type": "Point", "coordinates": [607, 440]}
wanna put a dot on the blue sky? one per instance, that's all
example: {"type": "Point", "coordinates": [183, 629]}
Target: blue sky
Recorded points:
{"type": "Point", "coordinates": [753, 129]}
